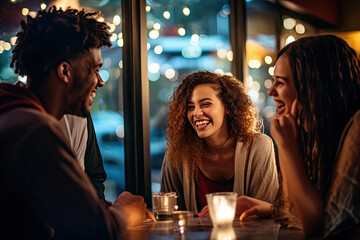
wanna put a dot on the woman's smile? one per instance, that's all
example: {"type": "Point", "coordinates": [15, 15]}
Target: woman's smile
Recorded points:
{"type": "Point", "coordinates": [206, 112]}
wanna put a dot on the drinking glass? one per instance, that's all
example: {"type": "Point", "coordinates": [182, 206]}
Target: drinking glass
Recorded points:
{"type": "Point", "coordinates": [164, 204]}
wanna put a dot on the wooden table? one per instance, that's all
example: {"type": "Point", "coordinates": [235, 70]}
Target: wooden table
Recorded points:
{"type": "Point", "coordinates": [201, 229]}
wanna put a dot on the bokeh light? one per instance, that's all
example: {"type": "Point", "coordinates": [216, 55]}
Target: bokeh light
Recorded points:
{"type": "Point", "coordinates": [289, 23]}
{"type": "Point", "coordinates": [186, 11]}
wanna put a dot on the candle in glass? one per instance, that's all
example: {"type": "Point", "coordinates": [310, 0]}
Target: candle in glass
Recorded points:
{"type": "Point", "coordinates": [222, 207]}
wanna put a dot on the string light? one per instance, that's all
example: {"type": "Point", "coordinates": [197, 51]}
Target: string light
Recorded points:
{"type": "Point", "coordinates": [158, 49]}
{"type": "Point", "coordinates": [25, 11]}
{"type": "Point", "coordinates": [166, 15]}
{"type": "Point", "coordinates": [186, 11]}
{"type": "Point", "coordinates": [181, 31]}
{"type": "Point", "coordinates": [116, 20]}
{"type": "Point", "coordinates": [43, 6]}
{"type": "Point", "coordinates": [154, 34]}
{"type": "Point", "coordinates": [268, 59]}
{"type": "Point", "coordinates": [300, 28]}
{"type": "Point", "coordinates": [289, 23]}
{"type": "Point", "coordinates": [157, 26]}
{"type": "Point", "coordinates": [289, 39]}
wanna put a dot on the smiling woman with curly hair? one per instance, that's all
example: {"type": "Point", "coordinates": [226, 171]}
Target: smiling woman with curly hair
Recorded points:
{"type": "Point", "coordinates": [215, 144]}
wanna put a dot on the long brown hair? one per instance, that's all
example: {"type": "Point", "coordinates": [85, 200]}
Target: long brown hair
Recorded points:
{"type": "Point", "coordinates": [242, 121]}
{"type": "Point", "coordinates": [326, 75]}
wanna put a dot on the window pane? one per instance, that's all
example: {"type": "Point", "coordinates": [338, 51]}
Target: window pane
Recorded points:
{"type": "Point", "coordinates": [107, 107]}
{"type": "Point", "coordinates": [262, 46]}
{"type": "Point", "coordinates": [182, 38]}
{"type": "Point", "coordinates": [261, 50]}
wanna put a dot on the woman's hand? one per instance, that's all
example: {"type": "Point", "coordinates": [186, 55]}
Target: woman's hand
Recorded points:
{"type": "Point", "coordinates": [204, 212]}
{"type": "Point", "coordinates": [284, 129]}
{"type": "Point", "coordinates": [248, 206]}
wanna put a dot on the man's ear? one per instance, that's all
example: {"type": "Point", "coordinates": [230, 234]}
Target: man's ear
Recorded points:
{"type": "Point", "coordinates": [63, 71]}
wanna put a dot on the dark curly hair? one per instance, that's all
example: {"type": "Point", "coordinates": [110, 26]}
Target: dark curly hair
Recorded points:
{"type": "Point", "coordinates": [243, 120]}
{"type": "Point", "coordinates": [54, 36]}
{"type": "Point", "coordinates": [326, 73]}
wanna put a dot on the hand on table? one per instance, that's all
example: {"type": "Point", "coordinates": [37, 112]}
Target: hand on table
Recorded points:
{"type": "Point", "coordinates": [204, 212]}
{"type": "Point", "coordinates": [248, 206]}
{"type": "Point", "coordinates": [134, 208]}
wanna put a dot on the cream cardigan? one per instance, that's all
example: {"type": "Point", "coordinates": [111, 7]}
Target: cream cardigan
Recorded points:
{"type": "Point", "coordinates": [255, 174]}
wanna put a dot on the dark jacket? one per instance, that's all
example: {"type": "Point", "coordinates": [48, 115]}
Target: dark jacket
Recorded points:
{"type": "Point", "coordinates": [42, 186]}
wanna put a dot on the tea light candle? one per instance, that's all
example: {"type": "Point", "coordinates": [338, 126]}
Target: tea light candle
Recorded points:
{"type": "Point", "coordinates": [180, 219]}
{"type": "Point", "coordinates": [224, 211]}
{"type": "Point", "coordinates": [222, 207]}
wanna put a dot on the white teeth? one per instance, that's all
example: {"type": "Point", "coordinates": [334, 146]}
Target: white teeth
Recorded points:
{"type": "Point", "coordinates": [202, 123]}
{"type": "Point", "coordinates": [280, 104]}
{"type": "Point", "coordinates": [93, 94]}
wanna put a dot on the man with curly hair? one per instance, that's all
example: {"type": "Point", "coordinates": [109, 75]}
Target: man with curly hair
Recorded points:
{"type": "Point", "coordinates": [45, 192]}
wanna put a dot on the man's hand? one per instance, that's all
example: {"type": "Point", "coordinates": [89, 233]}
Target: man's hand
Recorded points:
{"type": "Point", "coordinates": [134, 208]}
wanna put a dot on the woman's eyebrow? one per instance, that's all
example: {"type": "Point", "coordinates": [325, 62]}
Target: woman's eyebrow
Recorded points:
{"type": "Point", "coordinates": [201, 100]}
{"type": "Point", "coordinates": [281, 77]}
{"type": "Point", "coordinates": [205, 99]}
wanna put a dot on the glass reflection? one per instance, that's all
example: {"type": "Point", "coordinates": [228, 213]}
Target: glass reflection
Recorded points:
{"type": "Point", "coordinates": [220, 233]}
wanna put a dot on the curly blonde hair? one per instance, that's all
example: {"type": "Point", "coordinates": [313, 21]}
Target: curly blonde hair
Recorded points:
{"type": "Point", "coordinates": [243, 120]}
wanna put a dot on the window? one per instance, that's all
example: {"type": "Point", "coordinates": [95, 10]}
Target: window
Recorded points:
{"type": "Point", "coordinates": [182, 38]}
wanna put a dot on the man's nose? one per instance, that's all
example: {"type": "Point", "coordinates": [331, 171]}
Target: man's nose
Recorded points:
{"type": "Point", "coordinates": [101, 82]}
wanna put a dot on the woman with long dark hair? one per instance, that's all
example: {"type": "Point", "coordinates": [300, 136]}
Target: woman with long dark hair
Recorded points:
{"type": "Point", "coordinates": [317, 131]}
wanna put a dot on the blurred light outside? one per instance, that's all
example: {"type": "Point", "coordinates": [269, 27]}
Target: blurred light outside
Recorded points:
{"type": "Point", "coordinates": [268, 60]}
{"type": "Point", "coordinates": [289, 23]}
{"type": "Point", "coordinates": [289, 39]}
{"type": "Point", "coordinates": [300, 28]}
{"type": "Point", "coordinates": [25, 11]}
{"type": "Point", "coordinates": [186, 11]}
{"type": "Point", "coordinates": [116, 20]}
{"type": "Point", "coordinates": [167, 15]}
{"type": "Point", "coordinates": [181, 31]}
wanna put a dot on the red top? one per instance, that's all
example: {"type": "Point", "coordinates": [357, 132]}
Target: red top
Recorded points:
{"type": "Point", "coordinates": [205, 185]}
